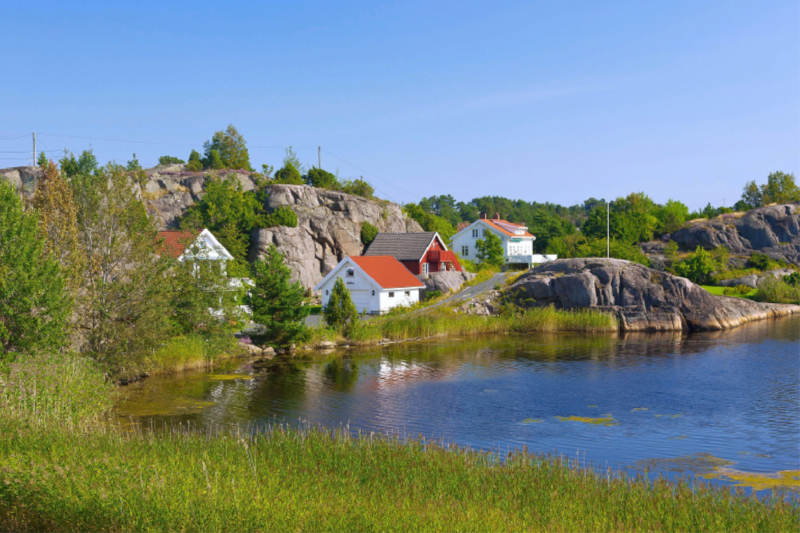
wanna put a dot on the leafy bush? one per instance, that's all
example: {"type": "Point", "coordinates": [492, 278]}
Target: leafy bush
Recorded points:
{"type": "Point", "coordinates": [322, 179]}
{"type": "Point", "coordinates": [581, 246]}
{"type": "Point", "coordinates": [170, 160]}
{"type": "Point", "coordinates": [194, 164]}
{"type": "Point", "coordinates": [368, 233]}
{"type": "Point", "coordinates": [282, 216]}
{"type": "Point", "coordinates": [430, 295]}
{"type": "Point", "coordinates": [359, 187]}
{"type": "Point", "coordinates": [697, 267]}
{"type": "Point", "coordinates": [490, 250]}
{"type": "Point", "coordinates": [777, 291]}
{"type": "Point", "coordinates": [288, 175]}
{"type": "Point", "coordinates": [737, 290]}
{"type": "Point", "coordinates": [759, 261]}
{"type": "Point", "coordinates": [340, 312]}
{"type": "Point", "coordinates": [792, 279]}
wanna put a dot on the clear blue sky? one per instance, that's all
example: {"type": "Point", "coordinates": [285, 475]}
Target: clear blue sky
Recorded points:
{"type": "Point", "coordinates": [543, 101]}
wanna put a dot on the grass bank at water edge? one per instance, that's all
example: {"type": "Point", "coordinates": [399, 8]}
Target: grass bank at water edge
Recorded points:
{"type": "Point", "coordinates": [444, 321]}
{"type": "Point", "coordinates": [108, 479]}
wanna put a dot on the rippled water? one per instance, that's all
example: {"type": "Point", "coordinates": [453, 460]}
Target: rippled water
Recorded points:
{"type": "Point", "coordinates": [733, 395]}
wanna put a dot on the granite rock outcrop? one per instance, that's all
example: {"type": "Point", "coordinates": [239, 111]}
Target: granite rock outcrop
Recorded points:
{"type": "Point", "coordinates": [643, 299]}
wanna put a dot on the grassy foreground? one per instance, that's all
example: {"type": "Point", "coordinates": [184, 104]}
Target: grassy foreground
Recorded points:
{"type": "Point", "coordinates": [444, 321]}
{"type": "Point", "coordinates": [314, 480]}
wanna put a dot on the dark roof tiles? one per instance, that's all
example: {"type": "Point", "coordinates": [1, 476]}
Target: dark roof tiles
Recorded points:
{"type": "Point", "coordinates": [401, 246]}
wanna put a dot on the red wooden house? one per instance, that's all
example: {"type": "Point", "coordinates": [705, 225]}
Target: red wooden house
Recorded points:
{"type": "Point", "coordinates": [420, 253]}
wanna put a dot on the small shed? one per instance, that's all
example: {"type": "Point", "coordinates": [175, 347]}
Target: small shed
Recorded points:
{"type": "Point", "coordinates": [376, 283]}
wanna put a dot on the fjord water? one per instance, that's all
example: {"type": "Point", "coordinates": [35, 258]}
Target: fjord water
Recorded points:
{"type": "Point", "coordinates": [731, 397]}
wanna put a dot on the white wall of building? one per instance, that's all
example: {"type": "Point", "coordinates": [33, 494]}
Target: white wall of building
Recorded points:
{"type": "Point", "coordinates": [366, 294]}
{"type": "Point", "coordinates": [466, 241]}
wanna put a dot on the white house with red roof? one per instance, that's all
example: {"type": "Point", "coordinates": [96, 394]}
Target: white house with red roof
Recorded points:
{"type": "Point", "coordinates": [376, 283]}
{"type": "Point", "coordinates": [517, 242]}
{"type": "Point", "coordinates": [181, 245]}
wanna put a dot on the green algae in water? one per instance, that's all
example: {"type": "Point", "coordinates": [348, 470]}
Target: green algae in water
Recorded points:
{"type": "Point", "coordinates": [681, 437]}
{"type": "Point", "coordinates": [699, 463]}
{"type": "Point", "coordinates": [591, 406]}
{"type": "Point", "coordinates": [670, 416]}
{"type": "Point", "coordinates": [229, 377]}
{"type": "Point", "coordinates": [532, 421]}
{"type": "Point", "coordinates": [639, 409]}
{"type": "Point", "coordinates": [606, 420]}
{"type": "Point", "coordinates": [175, 406]}
{"type": "Point", "coordinates": [787, 479]}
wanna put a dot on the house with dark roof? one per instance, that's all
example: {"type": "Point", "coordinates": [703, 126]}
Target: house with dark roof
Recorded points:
{"type": "Point", "coordinates": [517, 242]}
{"type": "Point", "coordinates": [421, 253]}
{"type": "Point", "coordinates": [376, 283]}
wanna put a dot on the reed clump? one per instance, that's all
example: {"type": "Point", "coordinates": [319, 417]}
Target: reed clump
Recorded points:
{"type": "Point", "coordinates": [446, 322]}
{"type": "Point", "coordinates": [190, 352]}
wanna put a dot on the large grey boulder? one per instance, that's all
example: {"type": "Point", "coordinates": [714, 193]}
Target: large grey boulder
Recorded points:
{"type": "Point", "coordinates": [328, 228]}
{"type": "Point", "coordinates": [19, 177]}
{"type": "Point", "coordinates": [445, 281]}
{"type": "Point", "coordinates": [642, 298]}
{"type": "Point", "coordinates": [773, 230]}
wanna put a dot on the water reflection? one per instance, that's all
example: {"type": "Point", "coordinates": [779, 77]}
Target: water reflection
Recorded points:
{"type": "Point", "coordinates": [732, 395]}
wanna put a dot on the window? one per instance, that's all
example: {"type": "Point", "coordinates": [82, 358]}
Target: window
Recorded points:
{"type": "Point", "coordinates": [351, 271]}
{"type": "Point", "coordinates": [391, 295]}
{"type": "Point", "coordinates": [425, 268]}
{"type": "Point", "coordinates": [373, 292]}
{"type": "Point", "coordinates": [475, 232]}
{"type": "Point", "coordinates": [465, 251]}
{"type": "Point", "coordinates": [408, 293]}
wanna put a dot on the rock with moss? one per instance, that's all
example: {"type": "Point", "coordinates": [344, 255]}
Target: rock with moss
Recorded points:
{"type": "Point", "coordinates": [643, 299]}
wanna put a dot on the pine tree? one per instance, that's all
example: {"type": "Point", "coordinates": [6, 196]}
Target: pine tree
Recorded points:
{"type": "Point", "coordinates": [41, 162]}
{"type": "Point", "coordinates": [194, 164]}
{"type": "Point", "coordinates": [340, 312]}
{"type": "Point", "coordinates": [58, 224]}
{"type": "Point", "coordinates": [33, 303]}
{"type": "Point", "coordinates": [277, 303]}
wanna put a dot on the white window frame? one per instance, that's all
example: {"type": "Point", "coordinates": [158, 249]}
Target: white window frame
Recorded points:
{"type": "Point", "coordinates": [475, 233]}
{"type": "Point", "coordinates": [391, 294]}
{"type": "Point", "coordinates": [425, 268]}
{"type": "Point", "coordinates": [465, 250]}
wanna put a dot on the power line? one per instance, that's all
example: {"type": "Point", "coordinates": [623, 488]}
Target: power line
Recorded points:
{"type": "Point", "coordinates": [373, 175]}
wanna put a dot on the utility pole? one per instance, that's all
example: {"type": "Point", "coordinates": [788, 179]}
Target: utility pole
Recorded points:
{"type": "Point", "coordinates": [34, 149]}
{"type": "Point", "coordinates": [608, 230]}
{"type": "Point", "coordinates": [319, 157]}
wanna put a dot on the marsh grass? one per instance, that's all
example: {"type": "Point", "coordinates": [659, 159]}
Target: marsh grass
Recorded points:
{"type": "Point", "coordinates": [445, 322]}
{"type": "Point", "coordinates": [777, 291]}
{"type": "Point", "coordinates": [190, 352]}
{"type": "Point", "coordinates": [312, 479]}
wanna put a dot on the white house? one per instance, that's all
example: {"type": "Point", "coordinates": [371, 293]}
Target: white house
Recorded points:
{"type": "Point", "coordinates": [517, 242]}
{"type": "Point", "coordinates": [376, 283]}
{"type": "Point", "coordinates": [179, 244]}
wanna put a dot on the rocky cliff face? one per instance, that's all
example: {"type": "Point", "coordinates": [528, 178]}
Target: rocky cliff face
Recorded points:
{"type": "Point", "coordinates": [773, 230]}
{"type": "Point", "coordinates": [642, 298]}
{"type": "Point", "coordinates": [328, 228]}
{"type": "Point", "coordinates": [328, 222]}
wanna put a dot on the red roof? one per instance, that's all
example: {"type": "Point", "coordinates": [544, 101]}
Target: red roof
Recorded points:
{"type": "Point", "coordinates": [176, 242]}
{"type": "Point", "coordinates": [387, 271]}
{"type": "Point", "coordinates": [491, 222]}
{"type": "Point", "coordinates": [462, 225]}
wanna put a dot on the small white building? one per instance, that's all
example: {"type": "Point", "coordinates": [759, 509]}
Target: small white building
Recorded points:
{"type": "Point", "coordinates": [517, 242]}
{"type": "Point", "coordinates": [376, 283]}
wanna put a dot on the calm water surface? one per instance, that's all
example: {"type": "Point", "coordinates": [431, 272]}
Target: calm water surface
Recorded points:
{"type": "Point", "coordinates": [732, 396]}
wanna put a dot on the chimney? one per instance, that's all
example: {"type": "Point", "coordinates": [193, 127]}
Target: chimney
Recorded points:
{"type": "Point", "coordinates": [483, 215]}
{"type": "Point", "coordinates": [496, 216]}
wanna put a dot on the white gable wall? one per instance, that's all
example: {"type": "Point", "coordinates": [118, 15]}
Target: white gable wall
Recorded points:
{"type": "Point", "coordinates": [466, 238]}
{"type": "Point", "coordinates": [365, 293]}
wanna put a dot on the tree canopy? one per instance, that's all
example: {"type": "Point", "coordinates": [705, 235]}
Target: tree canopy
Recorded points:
{"type": "Point", "coordinates": [231, 150]}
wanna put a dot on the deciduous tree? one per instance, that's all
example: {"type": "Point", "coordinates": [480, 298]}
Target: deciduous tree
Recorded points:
{"type": "Point", "coordinates": [490, 250]}
{"type": "Point", "coordinates": [231, 150]}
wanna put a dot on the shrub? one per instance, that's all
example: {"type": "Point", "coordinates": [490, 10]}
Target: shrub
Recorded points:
{"type": "Point", "coordinates": [737, 290]}
{"type": "Point", "coordinates": [759, 261]}
{"type": "Point", "coordinates": [430, 295]}
{"type": "Point", "coordinates": [170, 160]}
{"type": "Point", "coordinates": [359, 187]}
{"type": "Point", "coordinates": [777, 291]}
{"type": "Point", "coordinates": [194, 164]}
{"type": "Point", "coordinates": [289, 175]}
{"type": "Point", "coordinates": [792, 279]}
{"type": "Point", "coordinates": [368, 233]}
{"type": "Point", "coordinates": [697, 267]}
{"type": "Point", "coordinates": [322, 179]}
{"type": "Point", "coordinates": [340, 312]}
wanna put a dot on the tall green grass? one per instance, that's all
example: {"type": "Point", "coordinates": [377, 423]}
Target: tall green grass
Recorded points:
{"type": "Point", "coordinates": [444, 321]}
{"type": "Point", "coordinates": [316, 480]}
{"type": "Point", "coordinates": [190, 352]}
{"type": "Point", "coordinates": [777, 291]}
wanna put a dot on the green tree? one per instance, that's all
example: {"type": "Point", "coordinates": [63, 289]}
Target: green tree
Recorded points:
{"type": "Point", "coordinates": [368, 233]}
{"type": "Point", "coordinates": [751, 195]}
{"type": "Point", "coordinates": [213, 160]}
{"type": "Point", "coordinates": [289, 175]}
{"type": "Point", "coordinates": [85, 164]}
{"type": "Point", "coordinates": [671, 216]}
{"type": "Point", "coordinates": [33, 303]}
{"type": "Point", "coordinates": [490, 250]}
{"type": "Point", "coordinates": [291, 160]}
{"type": "Point", "coordinates": [133, 165]}
{"type": "Point", "coordinates": [697, 267]}
{"type": "Point", "coordinates": [580, 246]}
{"type": "Point", "coordinates": [194, 164]}
{"type": "Point", "coordinates": [41, 161]}
{"type": "Point", "coordinates": [170, 160]}
{"type": "Point", "coordinates": [316, 177]}
{"type": "Point", "coordinates": [277, 304]}
{"type": "Point", "coordinates": [58, 225]}
{"type": "Point", "coordinates": [359, 187]}
{"type": "Point", "coordinates": [546, 226]}
{"type": "Point", "coordinates": [204, 300]}
{"type": "Point", "coordinates": [429, 221]}
{"type": "Point", "coordinates": [780, 188]}
{"type": "Point", "coordinates": [231, 149]}
{"type": "Point", "coordinates": [123, 308]}
{"type": "Point", "coordinates": [340, 312]}
{"type": "Point", "coordinates": [671, 251]}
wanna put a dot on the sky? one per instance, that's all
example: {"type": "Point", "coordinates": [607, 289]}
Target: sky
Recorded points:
{"type": "Point", "coordinates": [541, 101]}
